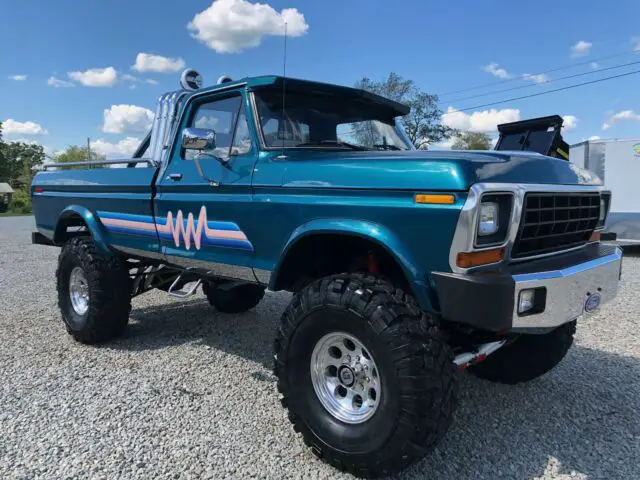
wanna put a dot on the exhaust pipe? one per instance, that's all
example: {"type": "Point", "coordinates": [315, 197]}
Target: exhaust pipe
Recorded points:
{"type": "Point", "coordinates": [464, 360]}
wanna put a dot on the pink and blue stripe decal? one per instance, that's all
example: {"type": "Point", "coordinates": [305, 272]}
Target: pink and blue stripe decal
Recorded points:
{"type": "Point", "coordinates": [183, 231]}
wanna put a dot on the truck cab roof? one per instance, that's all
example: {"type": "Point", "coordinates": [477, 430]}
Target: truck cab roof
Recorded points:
{"type": "Point", "coordinates": [297, 84]}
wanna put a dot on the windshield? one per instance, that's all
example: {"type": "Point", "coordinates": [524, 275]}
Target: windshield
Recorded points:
{"type": "Point", "coordinates": [322, 120]}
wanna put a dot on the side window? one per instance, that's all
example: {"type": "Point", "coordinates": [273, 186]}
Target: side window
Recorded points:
{"type": "Point", "coordinates": [220, 115]}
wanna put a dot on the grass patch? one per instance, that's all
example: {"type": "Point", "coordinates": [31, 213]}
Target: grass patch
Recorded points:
{"type": "Point", "coordinates": [15, 214]}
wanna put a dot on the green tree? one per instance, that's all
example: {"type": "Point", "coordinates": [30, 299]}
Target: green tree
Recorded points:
{"type": "Point", "coordinates": [18, 161]}
{"type": "Point", "coordinates": [422, 124]}
{"type": "Point", "coordinates": [4, 168]}
{"type": "Point", "coordinates": [75, 153]}
{"type": "Point", "coordinates": [471, 141]}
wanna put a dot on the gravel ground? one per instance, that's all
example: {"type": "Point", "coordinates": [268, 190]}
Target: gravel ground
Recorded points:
{"type": "Point", "coordinates": [188, 393]}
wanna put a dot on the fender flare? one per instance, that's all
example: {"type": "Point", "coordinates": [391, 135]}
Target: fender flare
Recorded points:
{"type": "Point", "coordinates": [374, 232]}
{"type": "Point", "coordinates": [94, 225]}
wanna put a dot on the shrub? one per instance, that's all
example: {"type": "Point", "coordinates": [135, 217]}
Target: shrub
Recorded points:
{"type": "Point", "coordinates": [21, 202]}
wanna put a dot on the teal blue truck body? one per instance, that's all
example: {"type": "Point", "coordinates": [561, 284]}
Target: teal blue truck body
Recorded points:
{"type": "Point", "coordinates": [405, 265]}
{"type": "Point", "coordinates": [242, 217]}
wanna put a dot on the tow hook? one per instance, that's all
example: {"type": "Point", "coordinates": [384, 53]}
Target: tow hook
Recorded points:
{"type": "Point", "coordinates": [464, 360]}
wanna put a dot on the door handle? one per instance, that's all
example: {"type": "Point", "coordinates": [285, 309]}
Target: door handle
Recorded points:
{"type": "Point", "coordinates": [174, 176]}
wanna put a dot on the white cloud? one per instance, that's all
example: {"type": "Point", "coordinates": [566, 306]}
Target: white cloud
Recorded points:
{"type": "Point", "coordinates": [570, 122]}
{"type": "Point", "coordinates": [123, 148]}
{"type": "Point", "coordinates": [206, 122]}
{"type": "Point", "coordinates": [127, 118]}
{"type": "Point", "coordinates": [14, 127]}
{"type": "Point", "coordinates": [594, 137]}
{"type": "Point", "coordinates": [18, 78]}
{"type": "Point", "coordinates": [148, 62]}
{"type": "Point", "coordinates": [581, 48]}
{"type": "Point", "coordinates": [495, 70]}
{"type": "Point", "coordinates": [445, 144]}
{"type": "Point", "coordinates": [133, 79]}
{"type": "Point", "coordinates": [624, 115]}
{"type": "Point", "coordinates": [594, 65]}
{"type": "Point", "coordinates": [96, 77]}
{"type": "Point", "coordinates": [536, 78]}
{"type": "Point", "coordinates": [485, 121]}
{"type": "Point", "coordinates": [230, 26]}
{"type": "Point", "coordinates": [636, 44]}
{"type": "Point", "coordinates": [57, 83]}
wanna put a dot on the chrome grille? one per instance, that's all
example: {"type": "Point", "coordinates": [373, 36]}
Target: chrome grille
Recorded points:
{"type": "Point", "coordinates": [553, 222]}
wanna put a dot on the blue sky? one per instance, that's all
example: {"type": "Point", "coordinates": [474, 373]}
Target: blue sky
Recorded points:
{"type": "Point", "coordinates": [443, 46]}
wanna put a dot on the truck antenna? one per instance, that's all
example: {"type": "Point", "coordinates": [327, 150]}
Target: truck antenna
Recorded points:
{"type": "Point", "coordinates": [284, 79]}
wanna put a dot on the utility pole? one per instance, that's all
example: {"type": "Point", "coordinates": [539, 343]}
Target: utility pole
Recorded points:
{"type": "Point", "coordinates": [89, 151]}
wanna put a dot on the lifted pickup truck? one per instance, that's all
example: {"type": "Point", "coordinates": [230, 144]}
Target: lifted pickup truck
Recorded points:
{"type": "Point", "coordinates": [405, 266]}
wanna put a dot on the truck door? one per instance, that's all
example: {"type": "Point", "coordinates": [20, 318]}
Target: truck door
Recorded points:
{"type": "Point", "coordinates": [201, 217]}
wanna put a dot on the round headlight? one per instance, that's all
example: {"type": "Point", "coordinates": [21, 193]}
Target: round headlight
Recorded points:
{"type": "Point", "coordinates": [488, 218]}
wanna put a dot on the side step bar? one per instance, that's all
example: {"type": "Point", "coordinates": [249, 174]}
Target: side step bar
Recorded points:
{"type": "Point", "coordinates": [173, 289]}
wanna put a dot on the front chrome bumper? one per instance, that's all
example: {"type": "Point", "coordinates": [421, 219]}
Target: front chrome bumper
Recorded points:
{"type": "Point", "coordinates": [489, 300]}
{"type": "Point", "coordinates": [567, 290]}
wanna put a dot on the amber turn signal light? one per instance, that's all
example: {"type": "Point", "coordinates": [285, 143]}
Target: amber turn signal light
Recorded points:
{"type": "Point", "coordinates": [483, 257]}
{"type": "Point", "coordinates": [435, 198]}
{"type": "Point", "coordinates": [595, 237]}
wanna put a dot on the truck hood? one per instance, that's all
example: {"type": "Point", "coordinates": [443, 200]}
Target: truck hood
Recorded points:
{"type": "Point", "coordinates": [432, 170]}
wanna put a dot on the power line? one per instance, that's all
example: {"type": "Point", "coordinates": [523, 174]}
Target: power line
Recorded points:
{"type": "Point", "coordinates": [507, 80]}
{"type": "Point", "coordinates": [519, 87]}
{"type": "Point", "coordinates": [568, 87]}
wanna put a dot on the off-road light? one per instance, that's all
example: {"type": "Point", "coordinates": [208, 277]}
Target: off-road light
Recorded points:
{"type": "Point", "coordinates": [488, 218]}
{"type": "Point", "coordinates": [525, 300]}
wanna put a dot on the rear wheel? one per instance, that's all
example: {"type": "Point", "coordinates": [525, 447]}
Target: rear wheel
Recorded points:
{"type": "Point", "coordinates": [528, 357]}
{"type": "Point", "coordinates": [233, 298]}
{"type": "Point", "coordinates": [94, 292]}
{"type": "Point", "coordinates": [365, 375]}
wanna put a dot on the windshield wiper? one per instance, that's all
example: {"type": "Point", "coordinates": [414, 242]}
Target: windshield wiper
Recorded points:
{"type": "Point", "coordinates": [386, 146]}
{"type": "Point", "coordinates": [332, 142]}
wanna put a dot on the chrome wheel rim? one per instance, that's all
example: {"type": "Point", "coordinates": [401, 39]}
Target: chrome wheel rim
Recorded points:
{"type": "Point", "coordinates": [79, 291]}
{"type": "Point", "coordinates": [345, 378]}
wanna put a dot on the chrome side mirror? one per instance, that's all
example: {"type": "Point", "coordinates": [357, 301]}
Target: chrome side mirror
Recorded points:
{"type": "Point", "coordinates": [198, 139]}
{"type": "Point", "coordinates": [203, 140]}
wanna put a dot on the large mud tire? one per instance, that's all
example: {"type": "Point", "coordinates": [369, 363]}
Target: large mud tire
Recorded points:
{"type": "Point", "coordinates": [236, 299]}
{"type": "Point", "coordinates": [417, 375]}
{"type": "Point", "coordinates": [102, 311]}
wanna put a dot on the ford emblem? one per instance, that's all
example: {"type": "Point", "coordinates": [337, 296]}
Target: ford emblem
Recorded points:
{"type": "Point", "coordinates": [592, 303]}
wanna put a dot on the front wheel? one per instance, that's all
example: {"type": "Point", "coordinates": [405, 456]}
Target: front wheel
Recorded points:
{"type": "Point", "coordinates": [529, 356]}
{"type": "Point", "coordinates": [364, 373]}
